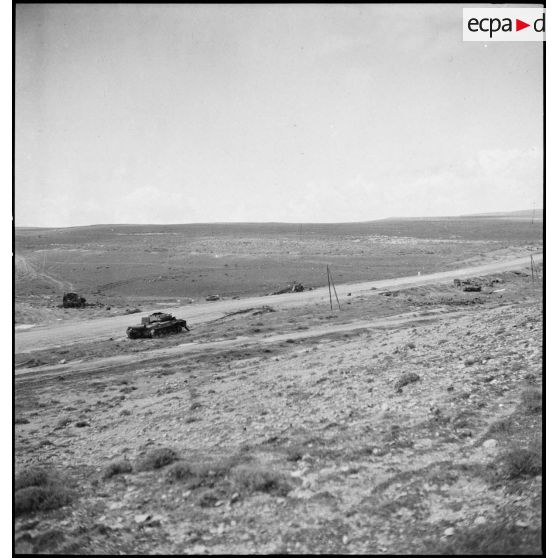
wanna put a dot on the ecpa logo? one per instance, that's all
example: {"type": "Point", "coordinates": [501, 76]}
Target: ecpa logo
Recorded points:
{"type": "Point", "coordinates": [503, 24]}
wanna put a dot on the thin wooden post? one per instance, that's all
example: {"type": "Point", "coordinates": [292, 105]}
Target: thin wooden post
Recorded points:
{"type": "Point", "coordinates": [329, 287]}
{"type": "Point", "coordinates": [334, 289]}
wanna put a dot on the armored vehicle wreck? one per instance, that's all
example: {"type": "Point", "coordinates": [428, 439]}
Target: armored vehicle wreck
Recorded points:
{"type": "Point", "coordinates": [157, 324]}
{"type": "Point", "coordinates": [73, 300]}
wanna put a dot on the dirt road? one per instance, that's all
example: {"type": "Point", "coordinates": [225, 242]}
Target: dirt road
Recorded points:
{"type": "Point", "coordinates": [243, 341]}
{"type": "Point", "coordinates": [47, 336]}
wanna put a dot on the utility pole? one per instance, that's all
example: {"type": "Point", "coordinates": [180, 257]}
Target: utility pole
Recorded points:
{"type": "Point", "coordinates": [329, 287]}
{"type": "Point", "coordinates": [331, 283]}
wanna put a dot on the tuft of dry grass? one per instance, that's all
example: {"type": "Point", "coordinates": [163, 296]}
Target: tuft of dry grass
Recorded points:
{"type": "Point", "coordinates": [251, 478]}
{"type": "Point", "coordinates": [531, 400]}
{"type": "Point", "coordinates": [489, 540]}
{"type": "Point", "coordinates": [521, 462]}
{"type": "Point", "coordinates": [62, 423]}
{"type": "Point", "coordinates": [156, 459]}
{"type": "Point", "coordinates": [117, 468]}
{"type": "Point", "coordinates": [39, 490]}
{"type": "Point", "coordinates": [502, 426]}
{"type": "Point", "coordinates": [405, 379]}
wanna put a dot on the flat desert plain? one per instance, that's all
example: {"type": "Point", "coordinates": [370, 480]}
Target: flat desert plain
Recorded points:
{"type": "Point", "coordinates": [407, 419]}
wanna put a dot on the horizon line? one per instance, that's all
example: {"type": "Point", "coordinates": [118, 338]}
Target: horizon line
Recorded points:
{"type": "Point", "coordinates": [526, 212]}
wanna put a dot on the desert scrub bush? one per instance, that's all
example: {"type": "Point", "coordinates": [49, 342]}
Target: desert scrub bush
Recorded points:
{"type": "Point", "coordinates": [489, 540]}
{"type": "Point", "coordinates": [531, 400]}
{"type": "Point", "coordinates": [405, 379]}
{"type": "Point", "coordinates": [157, 458]}
{"type": "Point", "coordinates": [250, 478]}
{"type": "Point", "coordinates": [209, 474]}
{"type": "Point", "coordinates": [33, 477]}
{"type": "Point", "coordinates": [295, 453]}
{"type": "Point", "coordinates": [521, 462]}
{"type": "Point", "coordinates": [117, 468]}
{"type": "Point", "coordinates": [21, 420]}
{"type": "Point", "coordinates": [39, 490]}
{"type": "Point", "coordinates": [502, 426]}
{"type": "Point", "coordinates": [62, 423]}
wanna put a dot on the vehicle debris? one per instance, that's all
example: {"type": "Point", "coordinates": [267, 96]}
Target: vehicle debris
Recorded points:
{"type": "Point", "coordinates": [73, 300]}
{"type": "Point", "coordinates": [295, 287]}
{"type": "Point", "coordinates": [157, 324]}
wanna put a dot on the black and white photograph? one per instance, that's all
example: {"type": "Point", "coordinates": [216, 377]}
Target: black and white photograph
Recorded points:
{"type": "Point", "coordinates": [278, 278]}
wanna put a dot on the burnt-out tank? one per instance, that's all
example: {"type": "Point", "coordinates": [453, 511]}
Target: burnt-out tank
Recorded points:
{"type": "Point", "coordinates": [157, 324]}
{"type": "Point", "coordinates": [73, 300]}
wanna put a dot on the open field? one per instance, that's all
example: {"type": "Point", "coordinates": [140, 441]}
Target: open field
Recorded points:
{"type": "Point", "coordinates": [123, 266]}
{"type": "Point", "coordinates": [409, 421]}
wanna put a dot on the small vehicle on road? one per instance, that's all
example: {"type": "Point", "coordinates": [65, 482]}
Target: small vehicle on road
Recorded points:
{"type": "Point", "coordinates": [157, 324]}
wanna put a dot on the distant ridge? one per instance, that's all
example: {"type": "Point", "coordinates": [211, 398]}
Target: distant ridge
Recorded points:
{"type": "Point", "coordinates": [522, 214]}
{"type": "Point", "coordinates": [519, 214]}
{"type": "Point", "coordinates": [526, 213]}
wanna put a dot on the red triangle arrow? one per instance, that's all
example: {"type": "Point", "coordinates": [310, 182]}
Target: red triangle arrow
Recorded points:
{"type": "Point", "coordinates": [519, 25]}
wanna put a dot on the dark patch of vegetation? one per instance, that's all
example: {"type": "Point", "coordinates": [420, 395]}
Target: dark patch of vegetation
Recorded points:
{"type": "Point", "coordinates": [21, 420]}
{"type": "Point", "coordinates": [156, 459]}
{"type": "Point", "coordinates": [62, 423]}
{"type": "Point", "coordinates": [33, 477]}
{"type": "Point", "coordinates": [531, 399]}
{"type": "Point", "coordinates": [117, 468]}
{"type": "Point", "coordinates": [521, 462]}
{"type": "Point", "coordinates": [249, 478]}
{"type": "Point", "coordinates": [82, 423]}
{"type": "Point", "coordinates": [487, 540]}
{"type": "Point", "coordinates": [295, 453]}
{"type": "Point", "coordinates": [39, 490]}
{"type": "Point", "coordinates": [502, 426]}
{"type": "Point", "coordinates": [405, 379]}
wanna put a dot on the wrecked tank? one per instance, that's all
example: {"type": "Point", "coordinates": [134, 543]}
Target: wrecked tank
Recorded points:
{"type": "Point", "coordinates": [296, 287]}
{"type": "Point", "coordinates": [73, 300]}
{"type": "Point", "coordinates": [157, 324]}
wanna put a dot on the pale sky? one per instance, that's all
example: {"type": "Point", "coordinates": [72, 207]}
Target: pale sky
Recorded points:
{"type": "Point", "coordinates": [302, 113]}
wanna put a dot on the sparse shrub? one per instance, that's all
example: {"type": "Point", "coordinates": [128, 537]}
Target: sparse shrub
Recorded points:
{"type": "Point", "coordinates": [207, 498]}
{"type": "Point", "coordinates": [195, 475]}
{"type": "Point", "coordinates": [295, 453]}
{"type": "Point", "coordinates": [531, 400]}
{"type": "Point", "coordinates": [248, 478]}
{"type": "Point", "coordinates": [502, 426]}
{"type": "Point", "coordinates": [521, 462]}
{"type": "Point", "coordinates": [489, 540]}
{"type": "Point", "coordinates": [62, 423]}
{"type": "Point", "coordinates": [405, 379]}
{"type": "Point", "coordinates": [125, 413]}
{"type": "Point", "coordinates": [82, 423]}
{"type": "Point", "coordinates": [21, 420]}
{"type": "Point", "coordinates": [33, 477]}
{"type": "Point", "coordinates": [156, 459]}
{"type": "Point", "coordinates": [40, 498]}
{"type": "Point", "coordinates": [39, 490]}
{"type": "Point", "coordinates": [180, 472]}
{"type": "Point", "coordinates": [117, 468]}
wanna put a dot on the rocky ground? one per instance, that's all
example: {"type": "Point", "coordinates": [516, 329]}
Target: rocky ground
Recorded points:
{"type": "Point", "coordinates": [422, 435]}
